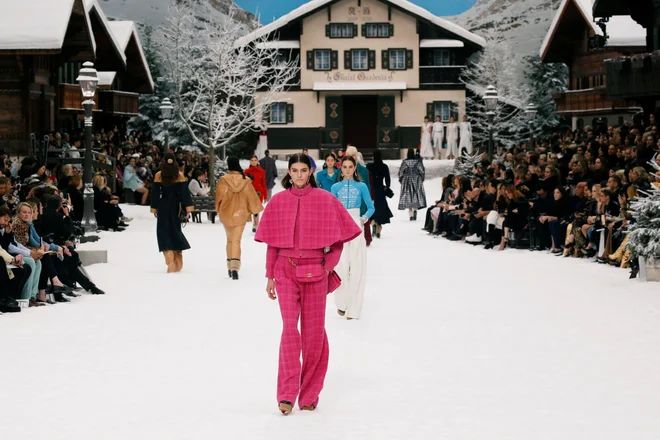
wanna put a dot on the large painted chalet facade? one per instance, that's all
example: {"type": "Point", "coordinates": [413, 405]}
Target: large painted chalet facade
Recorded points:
{"type": "Point", "coordinates": [43, 44]}
{"type": "Point", "coordinates": [370, 71]}
{"type": "Point", "coordinates": [577, 41]}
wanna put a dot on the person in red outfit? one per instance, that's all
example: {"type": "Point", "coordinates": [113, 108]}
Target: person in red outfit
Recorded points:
{"type": "Point", "coordinates": [305, 229]}
{"type": "Point", "coordinates": [258, 176]}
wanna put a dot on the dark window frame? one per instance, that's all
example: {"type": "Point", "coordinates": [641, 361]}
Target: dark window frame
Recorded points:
{"type": "Point", "coordinates": [378, 24]}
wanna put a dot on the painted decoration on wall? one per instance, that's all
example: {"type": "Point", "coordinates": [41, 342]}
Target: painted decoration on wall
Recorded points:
{"type": "Point", "coordinates": [269, 10]}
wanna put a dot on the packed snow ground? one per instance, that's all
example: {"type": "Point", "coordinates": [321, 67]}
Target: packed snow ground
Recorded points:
{"type": "Point", "coordinates": [455, 342]}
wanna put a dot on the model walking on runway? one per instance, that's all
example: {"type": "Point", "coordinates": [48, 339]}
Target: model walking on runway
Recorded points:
{"type": "Point", "coordinates": [305, 229]}
{"type": "Point", "coordinates": [352, 267]}
{"type": "Point", "coordinates": [170, 200]}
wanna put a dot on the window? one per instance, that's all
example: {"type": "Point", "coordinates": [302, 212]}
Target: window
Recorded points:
{"type": "Point", "coordinates": [278, 113]}
{"type": "Point", "coordinates": [442, 109]}
{"type": "Point", "coordinates": [360, 59]}
{"type": "Point", "coordinates": [442, 57]}
{"type": "Point", "coordinates": [397, 59]}
{"type": "Point", "coordinates": [321, 60]}
{"type": "Point", "coordinates": [342, 30]}
{"type": "Point", "coordinates": [378, 30]}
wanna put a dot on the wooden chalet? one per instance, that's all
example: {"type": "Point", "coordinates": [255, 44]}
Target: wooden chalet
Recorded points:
{"type": "Point", "coordinates": [43, 44]}
{"type": "Point", "coordinates": [583, 45]}
{"type": "Point", "coordinates": [635, 77]}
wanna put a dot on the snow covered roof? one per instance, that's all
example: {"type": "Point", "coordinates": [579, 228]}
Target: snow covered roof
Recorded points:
{"type": "Point", "coordinates": [34, 24]}
{"type": "Point", "coordinates": [622, 30]}
{"type": "Point", "coordinates": [346, 86]}
{"type": "Point", "coordinates": [94, 5]}
{"type": "Point", "coordinates": [106, 78]}
{"type": "Point", "coordinates": [123, 31]}
{"type": "Point", "coordinates": [406, 5]}
{"type": "Point", "coordinates": [440, 43]}
{"type": "Point", "coordinates": [282, 44]}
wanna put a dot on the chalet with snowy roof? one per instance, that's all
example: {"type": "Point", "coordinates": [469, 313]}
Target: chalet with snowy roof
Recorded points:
{"type": "Point", "coordinates": [43, 44]}
{"type": "Point", "coordinates": [635, 77]}
{"type": "Point", "coordinates": [370, 71]}
{"type": "Point", "coordinates": [583, 45]}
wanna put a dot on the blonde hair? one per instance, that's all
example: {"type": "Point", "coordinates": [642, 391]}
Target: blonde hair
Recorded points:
{"type": "Point", "coordinates": [24, 205]}
{"type": "Point", "coordinates": [98, 181]}
{"type": "Point", "coordinates": [351, 151]}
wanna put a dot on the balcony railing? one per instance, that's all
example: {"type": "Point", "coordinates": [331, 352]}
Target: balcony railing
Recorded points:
{"type": "Point", "coordinates": [71, 97]}
{"type": "Point", "coordinates": [119, 103]}
{"type": "Point", "coordinates": [633, 77]}
{"type": "Point", "coordinates": [588, 100]}
{"type": "Point", "coordinates": [433, 76]}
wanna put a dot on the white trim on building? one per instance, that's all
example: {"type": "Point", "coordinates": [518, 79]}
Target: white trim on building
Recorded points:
{"type": "Point", "coordinates": [282, 44]}
{"type": "Point", "coordinates": [350, 86]}
{"type": "Point", "coordinates": [440, 43]}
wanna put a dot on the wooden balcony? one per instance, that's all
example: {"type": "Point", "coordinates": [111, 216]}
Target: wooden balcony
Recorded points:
{"type": "Point", "coordinates": [587, 101]}
{"type": "Point", "coordinates": [113, 102]}
{"type": "Point", "coordinates": [433, 77]}
{"type": "Point", "coordinates": [71, 97]}
{"type": "Point", "coordinates": [633, 77]}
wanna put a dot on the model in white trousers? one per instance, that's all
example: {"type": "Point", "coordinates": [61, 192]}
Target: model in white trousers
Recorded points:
{"type": "Point", "coordinates": [437, 145]}
{"type": "Point", "coordinates": [352, 269]}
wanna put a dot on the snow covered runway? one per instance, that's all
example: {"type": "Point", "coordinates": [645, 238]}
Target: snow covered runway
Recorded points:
{"type": "Point", "coordinates": [454, 343]}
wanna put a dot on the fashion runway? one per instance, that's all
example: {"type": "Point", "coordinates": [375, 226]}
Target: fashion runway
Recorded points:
{"type": "Point", "coordinates": [454, 342]}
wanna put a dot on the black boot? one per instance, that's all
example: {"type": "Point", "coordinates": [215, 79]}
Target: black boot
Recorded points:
{"type": "Point", "coordinates": [415, 215]}
{"type": "Point", "coordinates": [59, 297]}
{"type": "Point", "coordinates": [96, 291]}
{"type": "Point", "coordinates": [234, 274]}
{"type": "Point", "coordinates": [9, 305]}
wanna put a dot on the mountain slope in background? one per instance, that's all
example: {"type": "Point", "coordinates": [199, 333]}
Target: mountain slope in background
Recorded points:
{"type": "Point", "coordinates": [523, 23]}
{"type": "Point", "coordinates": [155, 12]}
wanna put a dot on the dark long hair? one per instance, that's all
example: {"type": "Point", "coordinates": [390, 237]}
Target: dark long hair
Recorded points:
{"type": "Point", "coordinates": [303, 159]}
{"type": "Point", "coordinates": [233, 164]}
{"type": "Point", "coordinates": [378, 157]}
{"type": "Point", "coordinates": [411, 153]}
{"type": "Point", "coordinates": [169, 169]}
{"type": "Point", "coordinates": [356, 175]}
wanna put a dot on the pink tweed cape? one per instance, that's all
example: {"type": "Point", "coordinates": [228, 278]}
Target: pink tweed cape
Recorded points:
{"type": "Point", "coordinates": [323, 220]}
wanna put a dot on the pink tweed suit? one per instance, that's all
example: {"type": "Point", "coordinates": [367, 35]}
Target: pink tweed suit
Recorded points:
{"type": "Point", "coordinates": [307, 226]}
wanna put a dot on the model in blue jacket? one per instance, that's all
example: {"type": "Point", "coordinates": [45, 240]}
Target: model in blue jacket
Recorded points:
{"type": "Point", "coordinates": [351, 194]}
{"type": "Point", "coordinates": [323, 177]}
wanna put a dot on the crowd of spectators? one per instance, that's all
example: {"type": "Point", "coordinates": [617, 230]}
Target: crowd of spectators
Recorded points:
{"type": "Point", "coordinates": [568, 195]}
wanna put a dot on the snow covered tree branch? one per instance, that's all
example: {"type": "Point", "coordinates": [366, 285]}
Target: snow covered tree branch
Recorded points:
{"type": "Point", "coordinates": [496, 65]}
{"type": "Point", "coordinates": [215, 79]}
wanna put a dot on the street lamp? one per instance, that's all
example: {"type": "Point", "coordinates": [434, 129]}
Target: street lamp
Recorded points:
{"type": "Point", "coordinates": [490, 99]}
{"type": "Point", "coordinates": [166, 112]}
{"type": "Point", "coordinates": [88, 79]}
{"type": "Point", "coordinates": [531, 112]}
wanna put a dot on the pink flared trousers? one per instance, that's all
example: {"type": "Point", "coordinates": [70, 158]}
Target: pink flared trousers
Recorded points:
{"type": "Point", "coordinates": [304, 302]}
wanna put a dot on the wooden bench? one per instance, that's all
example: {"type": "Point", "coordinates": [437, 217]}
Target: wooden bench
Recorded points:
{"type": "Point", "coordinates": [203, 204]}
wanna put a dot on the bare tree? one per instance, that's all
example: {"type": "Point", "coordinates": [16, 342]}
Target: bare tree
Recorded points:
{"type": "Point", "coordinates": [216, 77]}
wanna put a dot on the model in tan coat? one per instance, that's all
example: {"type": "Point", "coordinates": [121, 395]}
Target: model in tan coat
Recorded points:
{"type": "Point", "coordinates": [236, 202]}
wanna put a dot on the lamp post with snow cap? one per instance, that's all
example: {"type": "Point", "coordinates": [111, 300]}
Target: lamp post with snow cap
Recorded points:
{"type": "Point", "coordinates": [88, 80]}
{"type": "Point", "coordinates": [490, 99]}
{"type": "Point", "coordinates": [166, 113]}
{"type": "Point", "coordinates": [531, 112]}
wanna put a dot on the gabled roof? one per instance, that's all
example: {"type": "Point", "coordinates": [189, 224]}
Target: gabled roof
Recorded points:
{"type": "Point", "coordinates": [92, 6]}
{"type": "Point", "coordinates": [582, 6]}
{"type": "Point", "coordinates": [313, 5]}
{"type": "Point", "coordinates": [622, 30]}
{"type": "Point", "coordinates": [125, 32]}
{"type": "Point", "coordinates": [34, 24]}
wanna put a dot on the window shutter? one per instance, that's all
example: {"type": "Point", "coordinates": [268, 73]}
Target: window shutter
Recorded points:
{"type": "Point", "coordinates": [409, 59]}
{"type": "Point", "coordinates": [386, 59]}
{"type": "Point", "coordinates": [364, 30]}
{"type": "Point", "coordinates": [430, 111]}
{"type": "Point", "coordinates": [355, 30]}
{"type": "Point", "coordinates": [372, 59]}
{"type": "Point", "coordinates": [348, 65]}
{"type": "Point", "coordinates": [334, 60]}
{"type": "Point", "coordinates": [268, 110]}
{"type": "Point", "coordinates": [310, 60]}
{"type": "Point", "coordinates": [327, 30]}
{"type": "Point", "coordinates": [289, 113]}
{"type": "Point", "coordinates": [391, 30]}
{"type": "Point", "coordinates": [453, 110]}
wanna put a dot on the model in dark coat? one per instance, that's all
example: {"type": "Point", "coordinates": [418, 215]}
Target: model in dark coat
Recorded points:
{"type": "Point", "coordinates": [167, 199]}
{"type": "Point", "coordinates": [380, 174]}
{"type": "Point", "coordinates": [411, 176]}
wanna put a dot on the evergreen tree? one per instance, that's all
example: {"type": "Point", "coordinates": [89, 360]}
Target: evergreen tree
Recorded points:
{"type": "Point", "coordinates": [149, 120]}
{"type": "Point", "coordinates": [644, 238]}
{"type": "Point", "coordinates": [543, 79]}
